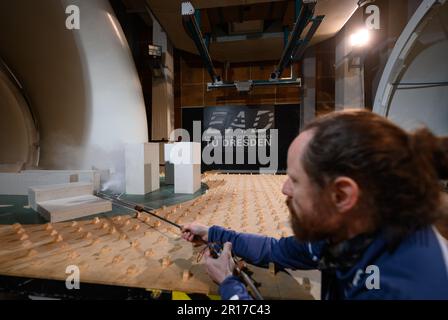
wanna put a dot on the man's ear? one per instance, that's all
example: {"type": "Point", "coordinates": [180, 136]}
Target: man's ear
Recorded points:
{"type": "Point", "coordinates": [344, 194]}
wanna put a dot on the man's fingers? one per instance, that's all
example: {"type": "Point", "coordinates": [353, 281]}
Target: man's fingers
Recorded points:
{"type": "Point", "coordinates": [227, 249]}
{"type": "Point", "coordinates": [187, 235]}
{"type": "Point", "coordinates": [186, 228]}
{"type": "Point", "coordinates": [194, 232]}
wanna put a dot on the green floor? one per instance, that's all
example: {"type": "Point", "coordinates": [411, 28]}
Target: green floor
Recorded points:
{"type": "Point", "coordinates": [15, 209]}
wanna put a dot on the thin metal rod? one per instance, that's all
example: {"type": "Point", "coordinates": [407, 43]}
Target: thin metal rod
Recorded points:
{"type": "Point", "coordinates": [250, 284]}
{"type": "Point", "coordinates": [135, 207]}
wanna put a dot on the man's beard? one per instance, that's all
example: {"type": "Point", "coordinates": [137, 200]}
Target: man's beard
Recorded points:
{"type": "Point", "coordinates": [304, 229]}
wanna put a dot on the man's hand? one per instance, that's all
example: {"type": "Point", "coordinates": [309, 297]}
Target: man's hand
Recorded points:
{"type": "Point", "coordinates": [191, 230]}
{"type": "Point", "coordinates": [222, 267]}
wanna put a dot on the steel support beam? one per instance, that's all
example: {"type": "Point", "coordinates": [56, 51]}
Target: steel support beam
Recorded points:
{"type": "Point", "coordinates": [303, 18]}
{"type": "Point", "coordinates": [299, 50]}
{"type": "Point", "coordinates": [248, 85]}
{"type": "Point", "coordinates": [285, 36]}
{"type": "Point", "coordinates": [193, 30]}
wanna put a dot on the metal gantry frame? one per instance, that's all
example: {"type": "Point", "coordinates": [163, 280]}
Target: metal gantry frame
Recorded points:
{"type": "Point", "coordinates": [294, 46]}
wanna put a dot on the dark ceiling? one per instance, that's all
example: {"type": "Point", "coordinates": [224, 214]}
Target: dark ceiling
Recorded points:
{"type": "Point", "coordinates": [241, 30]}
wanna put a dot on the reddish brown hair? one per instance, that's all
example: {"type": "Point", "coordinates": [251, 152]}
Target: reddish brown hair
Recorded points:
{"type": "Point", "coordinates": [398, 173]}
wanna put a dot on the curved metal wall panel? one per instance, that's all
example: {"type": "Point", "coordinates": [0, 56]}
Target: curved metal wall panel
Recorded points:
{"type": "Point", "coordinates": [413, 90]}
{"type": "Point", "coordinates": [83, 86]}
{"type": "Point", "coordinates": [18, 135]}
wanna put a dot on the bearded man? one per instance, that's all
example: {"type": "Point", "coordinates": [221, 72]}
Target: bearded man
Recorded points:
{"type": "Point", "coordinates": [361, 192]}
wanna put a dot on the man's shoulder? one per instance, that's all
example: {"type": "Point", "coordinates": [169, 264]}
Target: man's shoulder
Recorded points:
{"type": "Point", "coordinates": [419, 251]}
{"type": "Point", "coordinates": [416, 269]}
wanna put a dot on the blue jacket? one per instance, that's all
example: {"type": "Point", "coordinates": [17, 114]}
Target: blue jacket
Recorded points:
{"type": "Point", "coordinates": [416, 269]}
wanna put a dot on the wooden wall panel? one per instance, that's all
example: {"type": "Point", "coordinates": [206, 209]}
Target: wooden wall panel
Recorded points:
{"type": "Point", "coordinates": [287, 95]}
{"type": "Point", "coordinates": [238, 73]}
{"type": "Point", "coordinates": [262, 95]}
{"type": "Point", "coordinates": [232, 97]}
{"type": "Point", "coordinates": [192, 95]}
{"type": "Point", "coordinates": [325, 76]}
{"type": "Point", "coordinates": [193, 73]}
{"type": "Point", "coordinates": [216, 97]}
{"type": "Point", "coordinates": [261, 72]}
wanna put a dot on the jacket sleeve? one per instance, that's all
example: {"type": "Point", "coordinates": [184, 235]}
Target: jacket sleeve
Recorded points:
{"type": "Point", "coordinates": [233, 289]}
{"type": "Point", "coordinates": [261, 250]}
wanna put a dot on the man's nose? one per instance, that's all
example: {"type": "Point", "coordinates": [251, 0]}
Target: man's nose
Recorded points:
{"type": "Point", "coordinates": [287, 188]}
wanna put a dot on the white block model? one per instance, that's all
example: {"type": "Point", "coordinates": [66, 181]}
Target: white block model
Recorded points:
{"type": "Point", "coordinates": [186, 157]}
{"type": "Point", "coordinates": [12, 183]}
{"type": "Point", "coordinates": [169, 166]}
{"type": "Point", "coordinates": [62, 202]}
{"type": "Point", "coordinates": [142, 168]}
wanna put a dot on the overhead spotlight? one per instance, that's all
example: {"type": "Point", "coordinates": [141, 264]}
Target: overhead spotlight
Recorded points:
{"type": "Point", "coordinates": [360, 38]}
